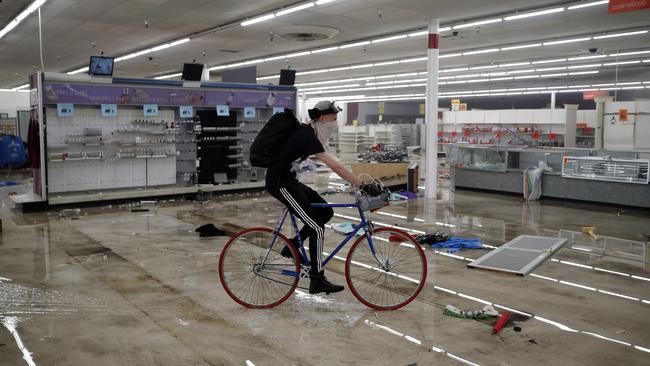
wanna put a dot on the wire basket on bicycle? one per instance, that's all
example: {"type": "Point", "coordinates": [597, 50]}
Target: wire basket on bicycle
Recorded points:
{"type": "Point", "coordinates": [372, 196]}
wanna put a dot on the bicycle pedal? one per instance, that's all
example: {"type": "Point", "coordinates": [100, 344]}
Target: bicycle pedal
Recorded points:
{"type": "Point", "coordinates": [304, 272]}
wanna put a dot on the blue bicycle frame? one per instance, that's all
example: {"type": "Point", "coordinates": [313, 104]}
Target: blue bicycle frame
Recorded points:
{"type": "Point", "coordinates": [365, 224]}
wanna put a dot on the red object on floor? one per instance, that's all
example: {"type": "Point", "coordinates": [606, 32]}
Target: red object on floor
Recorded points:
{"type": "Point", "coordinates": [501, 322]}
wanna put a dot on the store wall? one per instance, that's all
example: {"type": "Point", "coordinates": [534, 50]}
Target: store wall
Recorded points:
{"type": "Point", "coordinates": [11, 101]}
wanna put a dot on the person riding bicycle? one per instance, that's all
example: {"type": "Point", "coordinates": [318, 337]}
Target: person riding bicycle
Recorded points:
{"type": "Point", "coordinates": [282, 184]}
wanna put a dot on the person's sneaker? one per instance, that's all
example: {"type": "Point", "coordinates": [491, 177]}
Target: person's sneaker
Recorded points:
{"type": "Point", "coordinates": [319, 283]}
{"type": "Point", "coordinates": [286, 251]}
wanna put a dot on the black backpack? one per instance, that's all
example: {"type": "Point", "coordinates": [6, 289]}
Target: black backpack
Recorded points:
{"type": "Point", "coordinates": [268, 143]}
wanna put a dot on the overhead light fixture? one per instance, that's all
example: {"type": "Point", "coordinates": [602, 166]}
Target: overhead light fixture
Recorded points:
{"type": "Point", "coordinates": [484, 67]}
{"type": "Point", "coordinates": [549, 61]}
{"type": "Point", "coordinates": [77, 71]}
{"type": "Point", "coordinates": [621, 34]}
{"type": "Point", "coordinates": [479, 22]}
{"type": "Point", "coordinates": [21, 16]}
{"type": "Point", "coordinates": [521, 46]}
{"type": "Point", "coordinates": [628, 53]}
{"type": "Point", "coordinates": [323, 2]}
{"type": "Point", "coordinates": [356, 44]}
{"type": "Point", "coordinates": [571, 40]}
{"type": "Point", "coordinates": [294, 9]}
{"type": "Point", "coordinates": [298, 54]}
{"type": "Point", "coordinates": [259, 19]}
{"type": "Point", "coordinates": [386, 63]}
{"type": "Point", "coordinates": [480, 51]}
{"type": "Point", "coordinates": [444, 29]}
{"type": "Point", "coordinates": [152, 49]}
{"type": "Point", "coordinates": [281, 57]}
{"type": "Point", "coordinates": [325, 50]}
{"type": "Point", "coordinates": [622, 63]}
{"type": "Point", "coordinates": [553, 75]}
{"type": "Point", "coordinates": [21, 87]}
{"type": "Point", "coordinates": [585, 5]}
{"type": "Point", "coordinates": [534, 13]}
{"type": "Point", "coordinates": [448, 55]}
{"type": "Point", "coordinates": [363, 66]}
{"type": "Point", "coordinates": [392, 38]}
{"type": "Point", "coordinates": [520, 71]}
{"type": "Point", "coordinates": [418, 34]}
{"type": "Point", "coordinates": [584, 72]}
{"type": "Point", "coordinates": [416, 59]}
{"type": "Point", "coordinates": [168, 76]}
{"type": "Point", "coordinates": [586, 57]}
{"type": "Point", "coordinates": [551, 69]}
{"type": "Point", "coordinates": [514, 64]}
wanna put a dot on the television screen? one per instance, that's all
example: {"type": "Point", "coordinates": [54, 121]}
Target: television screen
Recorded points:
{"type": "Point", "coordinates": [100, 66]}
{"type": "Point", "coordinates": [192, 72]}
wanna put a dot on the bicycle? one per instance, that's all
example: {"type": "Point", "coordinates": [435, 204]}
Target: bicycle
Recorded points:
{"type": "Point", "coordinates": [387, 274]}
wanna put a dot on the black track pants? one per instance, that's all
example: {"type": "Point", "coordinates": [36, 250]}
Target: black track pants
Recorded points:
{"type": "Point", "coordinates": [298, 198]}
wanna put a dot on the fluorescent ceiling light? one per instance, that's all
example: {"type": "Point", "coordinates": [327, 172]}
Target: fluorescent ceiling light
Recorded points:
{"type": "Point", "coordinates": [386, 63]}
{"type": "Point", "coordinates": [514, 64]}
{"type": "Point", "coordinates": [534, 13]}
{"type": "Point", "coordinates": [548, 61]}
{"type": "Point", "coordinates": [553, 75]}
{"type": "Point", "coordinates": [361, 66]}
{"type": "Point", "coordinates": [621, 34]}
{"type": "Point", "coordinates": [444, 29]}
{"type": "Point", "coordinates": [354, 44]}
{"type": "Point", "coordinates": [268, 77]}
{"type": "Point", "coordinates": [294, 9]}
{"type": "Point", "coordinates": [571, 40]}
{"type": "Point", "coordinates": [629, 53]}
{"type": "Point", "coordinates": [392, 38]}
{"type": "Point", "coordinates": [257, 20]}
{"type": "Point", "coordinates": [168, 76]}
{"type": "Point", "coordinates": [622, 63]}
{"type": "Point", "coordinates": [325, 49]}
{"type": "Point", "coordinates": [298, 54]}
{"type": "Point", "coordinates": [275, 58]}
{"type": "Point", "coordinates": [484, 67]}
{"type": "Point", "coordinates": [416, 59]}
{"type": "Point", "coordinates": [450, 55]}
{"type": "Point", "coordinates": [417, 34]}
{"type": "Point", "coordinates": [585, 5]}
{"type": "Point", "coordinates": [521, 46]}
{"type": "Point", "coordinates": [152, 49]}
{"type": "Point", "coordinates": [583, 66]}
{"type": "Point", "coordinates": [21, 16]}
{"type": "Point", "coordinates": [77, 71]}
{"type": "Point", "coordinates": [20, 87]}
{"type": "Point", "coordinates": [479, 22]}
{"type": "Point", "coordinates": [584, 72]}
{"type": "Point", "coordinates": [481, 51]}
{"type": "Point", "coordinates": [322, 2]}
{"type": "Point", "coordinates": [551, 69]}
{"type": "Point", "coordinates": [586, 57]}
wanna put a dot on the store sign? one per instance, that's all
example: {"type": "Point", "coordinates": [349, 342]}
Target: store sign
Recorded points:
{"type": "Point", "coordinates": [150, 110]}
{"type": "Point", "coordinates": [463, 106]}
{"type": "Point", "coordinates": [455, 104]}
{"type": "Point", "coordinates": [249, 112]}
{"type": "Point", "coordinates": [186, 111]}
{"type": "Point", "coordinates": [622, 115]}
{"type": "Point", "coordinates": [109, 110]}
{"type": "Point", "coordinates": [422, 108]}
{"type": "Point", "coordinates": [592, 94]}
{"type": "Point", "coordinates": [65, 109]}
{"type": "Point", "coordinates": [381, 107]}
{"type": "Point", "coordinates": [223, 110]}
{"type": "Point", "coordinates": [621, 6]}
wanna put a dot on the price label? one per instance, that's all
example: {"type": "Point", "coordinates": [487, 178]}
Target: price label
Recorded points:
{"type": "Point", "coordinates": [65, 109]}
{"type": "Point", "coordinates": [186, 111]}
{"type": "Point", "coordinates": [278, 110]}
{"type": "Point", "coordinates": [249, 112]}
{"type": "Point", "coordinates": [150, 110]}
{"type": "Point", "coordinates": [109, 110]}
{"type": "Point", "coordinates": [223, 110]}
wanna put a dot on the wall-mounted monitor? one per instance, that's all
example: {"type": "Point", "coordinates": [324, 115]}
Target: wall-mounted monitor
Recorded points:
{"type": "Point", "coordinates": [100, 66]}
{"type": "Point", "coordinates": [192, 72]}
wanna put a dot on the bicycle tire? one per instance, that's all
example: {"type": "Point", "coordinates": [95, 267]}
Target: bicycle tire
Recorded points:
{"type": "Point", "coordinates": [237, 265]}
{"type": "Point", "coordinates": [397, 286]}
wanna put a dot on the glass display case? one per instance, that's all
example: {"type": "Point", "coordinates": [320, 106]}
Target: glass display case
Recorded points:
{"type": "Point", "coordinates": [487, 158]}
{"type": "Point", "coordinates": [606, 168]}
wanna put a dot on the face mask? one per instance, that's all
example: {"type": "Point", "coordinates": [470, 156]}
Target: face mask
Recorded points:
{"type": "Point", "coordinates": [324, 130]}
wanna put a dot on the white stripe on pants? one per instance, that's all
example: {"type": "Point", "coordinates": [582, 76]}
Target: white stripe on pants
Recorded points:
{"type": "Point", "coordinates": [308, 221]}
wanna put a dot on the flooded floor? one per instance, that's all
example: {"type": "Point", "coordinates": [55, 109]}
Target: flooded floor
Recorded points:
{"type": "Point", "coordinates": [107, 286]}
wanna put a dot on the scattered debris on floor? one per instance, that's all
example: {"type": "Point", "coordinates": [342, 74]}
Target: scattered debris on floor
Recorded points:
{"type": "Point", "coordinates": [487, 312]}
{"type": "Point", "coordinates": [70, 213]}
{"type": "Point", "coordinates": [346, 228]}
{"type": "Point", "coordinates": [441, 240]}
{"type": "Point", "coordinates": [5, 183]}
{"type": "Point", "coordinates": [590, 231]}
{"type": "Point", "coordinates": [501, 322]}
{"type": "Point", "coordinates": [517, 329]}
{"type": "Point", "coordinates": [209, 230]}
{"type": "Point", "coordinates": [433, 238]}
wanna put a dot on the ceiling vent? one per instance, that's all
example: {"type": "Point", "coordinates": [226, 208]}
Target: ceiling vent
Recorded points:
{"type": "Point", "coordinates": [305, 33]}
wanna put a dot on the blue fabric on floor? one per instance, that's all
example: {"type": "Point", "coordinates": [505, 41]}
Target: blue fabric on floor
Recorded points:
{"type": "Point", "coordinates": [5, 183]}
{"type": "Point", "coordinates": [457, 243]}
{"type": "Point", "coordinates": [345, 228]}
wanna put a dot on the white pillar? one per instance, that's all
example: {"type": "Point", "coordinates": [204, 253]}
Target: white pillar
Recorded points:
{"type": "Point", "coordinates": [431, 115]}
{"type": "Point", "coordinates": [552, 100]}
{"type": "Point", "coordinates": [599, 137]}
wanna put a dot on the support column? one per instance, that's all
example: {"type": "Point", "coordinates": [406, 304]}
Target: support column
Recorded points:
{"type": "Point", "coordinates": [431, 115]}
{"type": "Point", "coordinates": [552, 100]}
{"type": "Point", "coordinates": [600, 121]}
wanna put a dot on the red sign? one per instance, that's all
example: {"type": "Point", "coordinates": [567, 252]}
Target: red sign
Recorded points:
{"type": "Point", "coordinates": [591, 94]}
{"type": "Point", "coordinates": [553, 136]}
{"type": "Point", "coordinates": [454, 133]}
{"type": "Point", "coordinates": [467, 133]}
{"type": "Point", "coordinates": [621, 6]}
{"type": "Point", "coordinates": [535, 135]}
{"type": "Point", "coordinates": [441, 134]}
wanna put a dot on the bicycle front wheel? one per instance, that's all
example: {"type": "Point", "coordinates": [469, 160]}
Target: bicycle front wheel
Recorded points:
{"type": "Point", "coordinates": [392, 276]}
{"type": "Point", "coordinates": [253, 273]}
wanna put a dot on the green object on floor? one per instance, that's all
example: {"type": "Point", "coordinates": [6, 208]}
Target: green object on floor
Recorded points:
{"type": "Point", "coordinates": [487, 312]}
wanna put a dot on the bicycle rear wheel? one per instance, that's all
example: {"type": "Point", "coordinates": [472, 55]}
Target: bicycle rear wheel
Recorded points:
{"type": "Point", "coordinates": [393, 276]}
{"type": "Point", "coordinates": [255, 276]}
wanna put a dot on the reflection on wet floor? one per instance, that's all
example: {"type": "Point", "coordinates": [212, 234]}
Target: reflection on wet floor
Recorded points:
{"type": "Point", "coordinates": [582, 306]}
